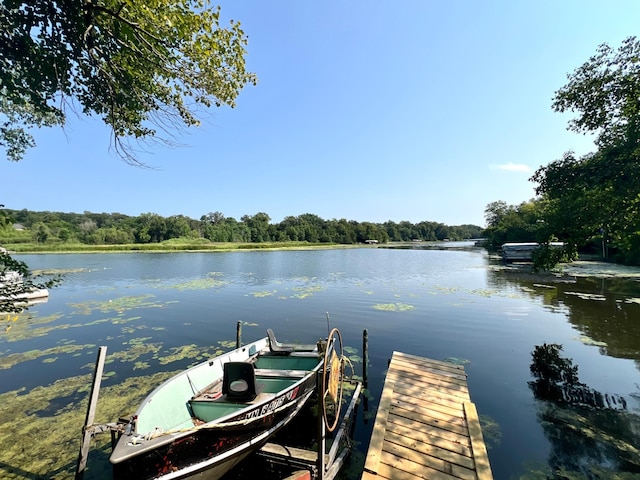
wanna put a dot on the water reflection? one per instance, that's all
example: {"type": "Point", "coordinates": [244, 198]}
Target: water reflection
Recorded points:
{"type": "Point", "coordinates": [592, 434]}
{"type": "Point", "coordinates": [556, 380]}
{"type": "Point", "coordinates": [606, 311]}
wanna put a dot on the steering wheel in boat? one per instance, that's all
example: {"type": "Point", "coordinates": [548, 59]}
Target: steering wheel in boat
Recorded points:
{"type": "Point", "coordinates": [332, 377]}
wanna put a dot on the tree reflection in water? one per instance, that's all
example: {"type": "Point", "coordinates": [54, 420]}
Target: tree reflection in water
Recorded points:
{"type": "Point", "coordinates": [592, 434]}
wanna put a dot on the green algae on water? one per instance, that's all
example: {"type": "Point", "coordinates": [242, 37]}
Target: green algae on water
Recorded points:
{"type": "Point", "coordinates": [308, 291]}
{"type": "Point", "coordinates": [393, 307]}
{"type": "Point", "coordinates": [119, 305]}
{"type": "Point", "coordinates": [52, 425]}
{"type": "Point", "coordinates": [198, 284]}
{"type": "Point", "coordinates": [457, 361]}
{"type": "Point", "coordinates": [262, 293]}
{"type": "Point", "coordinates": [8, 361]}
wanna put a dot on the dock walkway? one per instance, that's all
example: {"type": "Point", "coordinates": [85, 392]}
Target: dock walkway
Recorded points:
{"type": "Point", "coordinates": [426, 425]}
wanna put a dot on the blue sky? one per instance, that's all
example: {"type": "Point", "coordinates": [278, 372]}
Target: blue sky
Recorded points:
{"type": "Point", "coordinates": [370, 111]}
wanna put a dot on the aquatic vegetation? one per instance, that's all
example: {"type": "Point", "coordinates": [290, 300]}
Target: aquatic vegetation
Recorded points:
{"type": "Point", "coordinates": [304, 292]}
{"type": "Point", "coordinates": [59, 271]}
{"type": "Point", "coordinates": [263, 293]}
{"type": "Point", "coordinates": [228, 344]}
{"type": "Point", "coordinates": [491, 292]}
{"type": "Point", "coordinates": [589, 341]}
{"type": "Point", "coordinates": [137, 348]}
{"type": "Point", "coordinates": [24, 327]}
{"type": "Point", "coordinates": [194, 352]}
{"type": "Point", "coordinates": [484, 292]}
{"type": "Point", "coordinates": [352, 355]}
{"type": "Point", "coordinates": [591, 443]}
{"type": "Point", "coordinates": [447, 290]}
{"type": "Point", "coordinates": [119, 305]}
{"type": "Point", "coordinates": [199, 283]}
{"type": "Point", "coordinates": [119, 320]}
{"type": "Point", "coordinates": [457, 361]}
{"type": "Point", "coordinates": [179, 353]}
{"type": "Point", "coordinates": [490, 431]}
{"type": "Point", "coordinates": [55, 417]}
{"type": "Point", "coordinates": [8, 361]}
{"type": "Point", "coordinates": [10, 318]}
{"type": "Point", "coordinates": [393, 307]}
{"type": "Point", "coordinates": [21, 326]}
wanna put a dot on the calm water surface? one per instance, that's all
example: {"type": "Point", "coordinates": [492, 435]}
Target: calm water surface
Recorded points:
{"type": "Point", "coordinates": [162, 312]}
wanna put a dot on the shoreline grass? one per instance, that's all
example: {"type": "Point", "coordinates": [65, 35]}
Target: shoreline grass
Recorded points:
{"type": "Point", "coordinates": [170, 246]}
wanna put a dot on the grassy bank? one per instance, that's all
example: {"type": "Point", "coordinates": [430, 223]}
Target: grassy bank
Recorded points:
{"type": "Point", "coordinates": [169, 246]}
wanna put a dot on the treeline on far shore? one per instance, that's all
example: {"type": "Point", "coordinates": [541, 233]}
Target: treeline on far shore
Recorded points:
{"type": "Point", "coordinates": [54, 229]}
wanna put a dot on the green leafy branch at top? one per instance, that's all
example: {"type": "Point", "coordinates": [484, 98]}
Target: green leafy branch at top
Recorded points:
{"type": "Point", "coordinates": [141, 66]}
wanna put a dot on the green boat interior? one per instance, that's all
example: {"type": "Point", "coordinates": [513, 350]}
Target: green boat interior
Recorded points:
{"type": "Point", "coordinates": [265, 376]}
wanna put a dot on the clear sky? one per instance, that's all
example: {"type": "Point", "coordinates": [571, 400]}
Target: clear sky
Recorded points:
{"type": "Point", "coordinates": [365, 110]}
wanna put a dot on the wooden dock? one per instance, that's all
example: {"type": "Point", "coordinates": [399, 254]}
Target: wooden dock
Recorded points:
{"type": "Point", "coordinates": [426, 426]}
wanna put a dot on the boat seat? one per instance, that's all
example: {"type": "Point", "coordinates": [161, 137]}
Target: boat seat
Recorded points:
{"type": "Point", "coordinates": [239, 382]}
{"type": "Point", "coordinates": [275, 347]}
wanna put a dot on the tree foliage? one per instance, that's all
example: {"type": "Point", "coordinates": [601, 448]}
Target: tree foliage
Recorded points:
{"type": "Point", "coordinates": [52, 228]}
{"type": "Point", "coordinates": [141, 66]}
{"type": "Point", "coordinates": [598, 195]}
{"type": "Point", "coordinates": [605, 92]}
{"type": "Point", "coordinates": [16, 280]}
{"type": "Point", "coordinates": [514, 223]}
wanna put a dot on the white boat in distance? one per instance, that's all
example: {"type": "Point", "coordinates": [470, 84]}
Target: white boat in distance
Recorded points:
{"type": "Point", "coordinates": [523, 252]}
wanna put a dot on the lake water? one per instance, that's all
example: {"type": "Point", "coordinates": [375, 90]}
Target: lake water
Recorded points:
{"type": "Point", "coordinates": [158, 313]}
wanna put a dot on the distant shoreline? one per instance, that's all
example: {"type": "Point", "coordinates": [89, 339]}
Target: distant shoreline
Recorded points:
{"type": "Point", "coordinates": [28, 248]}
{"type": "Point", "coordinates": [159, 248]}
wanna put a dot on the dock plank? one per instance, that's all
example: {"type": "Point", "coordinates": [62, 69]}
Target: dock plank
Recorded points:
{"type": "Point", "coordinates": [440, 372]}
{"type": "Point", "coordinates": [423, 360]}
{"type": "Point", "coordinates": [426, 425]}
{"type": "Point", "coordinates": [417, 388]}
{"type": "Point", "coordinates": [429, 378]}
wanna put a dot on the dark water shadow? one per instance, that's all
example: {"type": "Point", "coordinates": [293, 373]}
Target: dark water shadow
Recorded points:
{"type": "Point", "coordinates": [606, 311]}
{"type": "Point", "coordinates": [592, 434]}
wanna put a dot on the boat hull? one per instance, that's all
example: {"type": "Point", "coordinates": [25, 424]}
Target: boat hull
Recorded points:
{"type": "Point", "coordinates": [215, 445]}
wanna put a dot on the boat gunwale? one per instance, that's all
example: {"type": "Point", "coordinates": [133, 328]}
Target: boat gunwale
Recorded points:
{"type": "Point", "coordinates": [219, 423]}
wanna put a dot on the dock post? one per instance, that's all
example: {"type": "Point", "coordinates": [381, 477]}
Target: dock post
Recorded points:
{"type": "Point", "coordinates": [239, 334]}
{"type": "Point", "coordinates": [365, 374]}
{"type": "Point", "coordinates": [91, 413]}
{"type": "Point", "coordinates": [321, 425]}
{"type": "Point", "coordinates": [365, 358]}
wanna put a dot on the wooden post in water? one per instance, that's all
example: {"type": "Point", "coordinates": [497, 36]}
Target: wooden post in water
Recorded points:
{"type": "Point", "coordinates": [238, 334]}
{"type": "Point", "coordinates": [91, 413]}
{"type": "Point", "coordinates": [365, 358]}
{"type": "Point", "coordinates": [321, 425]}
{"type": "Point", "coordinates": [365, 374]}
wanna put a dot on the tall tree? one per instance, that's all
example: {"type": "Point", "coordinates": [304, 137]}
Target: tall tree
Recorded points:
{"type": "Point", "coordinates": [599, 194]}
{"type": "Point", "coordinates": [605, 92]}
{"type": "Point", "coordinates": [141, 66]}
